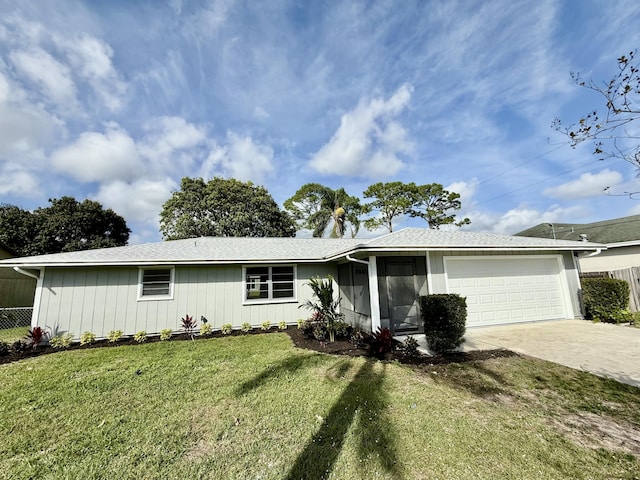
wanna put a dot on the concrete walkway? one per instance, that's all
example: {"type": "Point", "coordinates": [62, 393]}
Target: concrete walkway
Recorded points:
{"type": "Point", "coordinates": [603, 349]}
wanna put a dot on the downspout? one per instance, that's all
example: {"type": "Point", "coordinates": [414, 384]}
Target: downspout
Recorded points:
{"type": "Point", "coordinates": [351, 259]}
{"type": "Point", "coordinates": [28, 274]}
{"type": "Point", "coordinates": [38, 293]}
{"type": "Point", "coordinates": [593, 254]}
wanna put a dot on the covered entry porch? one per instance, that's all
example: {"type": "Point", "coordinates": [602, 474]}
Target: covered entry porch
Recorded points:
{"type": "Point", "coordinates": [383, 291]}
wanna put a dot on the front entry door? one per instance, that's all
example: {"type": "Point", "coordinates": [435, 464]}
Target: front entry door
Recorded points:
{"type": "Point", "coordinates": [403, 298]}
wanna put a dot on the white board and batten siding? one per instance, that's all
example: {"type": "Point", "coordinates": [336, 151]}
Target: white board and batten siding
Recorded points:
{"type": "Point", "coordinates": [510, 289]}
{"type": "Point", "coordinates": [101, 299]}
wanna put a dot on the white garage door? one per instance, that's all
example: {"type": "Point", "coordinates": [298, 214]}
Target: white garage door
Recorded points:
{"type": "Point", "coordinates": [508, 289]}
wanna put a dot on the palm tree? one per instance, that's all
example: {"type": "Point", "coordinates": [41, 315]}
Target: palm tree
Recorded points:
{"type": "Point", "coordinates": [315, 206]}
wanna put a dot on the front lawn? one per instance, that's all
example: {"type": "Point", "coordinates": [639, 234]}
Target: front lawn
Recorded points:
{"type": "Point", "coordinates": [256, 407]}
{"type": "Point", "coordinates": [10, 335]}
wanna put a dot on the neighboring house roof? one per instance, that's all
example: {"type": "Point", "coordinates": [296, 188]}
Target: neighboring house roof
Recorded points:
{"type": "Point", "coordinates": [618, 230]}
{"type": "Point", "coordinates": [221, 250]}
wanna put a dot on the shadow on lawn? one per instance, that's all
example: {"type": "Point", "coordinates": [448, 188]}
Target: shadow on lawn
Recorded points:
{"type": "Point", "coordinates": [362, 405]}
{"type": "Point", "coordinates": [289, 365]}
{"type": "Point", "coordinates": [475, 378]}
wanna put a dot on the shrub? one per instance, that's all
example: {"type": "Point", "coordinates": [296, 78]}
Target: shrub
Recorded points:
{"type": "Point", "coordinates": [301, 323]}
{"type": "Point", "coordinates": [140, 336]}
{"type": "Point", "coordinates": [36, 336]}
{"type": "Point", "coordinates": [266, 325]}
{"type": "Point", "coordinates": [20, 346]}
{"type": "Point", "coordinates": [606, 299]}
{"type": "Point", "coordinates": [246, 327]}
{"type": "Point", "coordinates": [324, 305]}
{"type": "Point", "coordinates": [282, 325]}
{"type": "Point", "coordinates": [319, 332]}
{"type": "Point", "coordinates": [307, 328]}
{"type": "Point", "coordinates": [357, 338]}
{"type": "Point", "coordinates": [410, 348]}
{"type": "Point", "coordinates": [227, 328]}
{"type": "Point", "coordinates": [444, 318]}
{"type": "Point", "coordinates": [188, 324]}
{"type": "Point", "coordinates": [165, 334]}
{"type": "Point", "coordinates": [114, 335]}
{"type": "Point", "coordinates": [205, 329]}
{"type": "Point", "coordinates": [4, 349]}
{"type": "Point", "coordinates": [62, 341]}
{"type": "Point", "coordinates": [342, 329]}
{"type": "Point", "coordinates": [382, 342]}
{"type": "Point", "coordinates": [87, 338]}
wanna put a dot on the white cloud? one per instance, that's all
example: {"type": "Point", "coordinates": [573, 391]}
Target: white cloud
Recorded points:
{"type": "Point", "coordinates": [369, 139]}
{"type": "Point", "coordinates": [100, 157]}
{"type": "Point", "coordinates": [242, 158]}
{"type": "Point", "coordinates": [521, 218]}
{"type": "Point", "coordinates": [466, 190]}
{"type": "Point", "coordinates": [138, 201]}
{"type": "Point", "coordinates": [588, 185]}
{"type": "Point", "coordinates": [48, 73]}
{"type": "Point", "coordinates": [25, 127]}
{"type": "Point", "coordinates": [16, 180]}
{"type": "Point", "coordinates": [91, 59]}
{"type": "Point", "coordinates": [171, 143]}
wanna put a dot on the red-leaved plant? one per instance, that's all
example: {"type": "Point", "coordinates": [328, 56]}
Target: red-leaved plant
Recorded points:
{"type": "Point", "coordinates": [36, 336]}
{"type": "Point", "coordinates": [382, 342]}
{"type": "Point", "coordinates": [188, 324]}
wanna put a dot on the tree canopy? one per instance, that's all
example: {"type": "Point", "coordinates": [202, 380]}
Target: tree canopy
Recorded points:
{"type": "Point", "coordinates": [392, 200]}
{"type": "Point", "coordinates": [65, 225]}
{"type": "Point", "coordinates": [436, 205]}
{"type": "Point", "coordinates": [315, 206]}
{"type": "Point", "coordinates": [430, 202]}
{"type": "Point", "coordinates": [608, 127]}
{"type": "Point", "coordinates": [223, 208]}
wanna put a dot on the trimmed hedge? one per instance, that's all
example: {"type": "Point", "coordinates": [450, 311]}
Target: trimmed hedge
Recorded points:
{"type": "Point", "coordinates": [444, 317]}
{"type": "Point", "coordinates": [606, 299]}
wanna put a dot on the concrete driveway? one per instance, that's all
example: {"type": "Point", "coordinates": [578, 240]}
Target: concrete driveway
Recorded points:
{"type": "Point", "coordinates": [600, 348]}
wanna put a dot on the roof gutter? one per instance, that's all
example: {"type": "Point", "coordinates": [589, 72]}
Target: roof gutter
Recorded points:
{"type": "Point", "coordinates": [28, 274]}
{"type": "Point", "coordinates": [593, 254]}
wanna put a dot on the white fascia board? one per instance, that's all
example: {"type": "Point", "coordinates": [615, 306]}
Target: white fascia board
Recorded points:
{"type": "Point", "coordinates": [418, 248]}
{"type": "Point", "coordinates": [630, 243]}
{"type": "Point", "coordinates": [147, 263]}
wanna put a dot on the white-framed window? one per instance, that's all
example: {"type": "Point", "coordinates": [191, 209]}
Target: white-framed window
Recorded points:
{"type": "Point", "coordinates": [263, 284]}
{"type": "Point", "coordinates": [155, 283]}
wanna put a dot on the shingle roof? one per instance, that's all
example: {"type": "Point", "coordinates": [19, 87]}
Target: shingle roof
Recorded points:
{"type": "Point", "coordinates": [616, 230]}
{"type": "Point", "coordinates": [219, 250]}
{"type": "Point", "coordinates": [423, 237]}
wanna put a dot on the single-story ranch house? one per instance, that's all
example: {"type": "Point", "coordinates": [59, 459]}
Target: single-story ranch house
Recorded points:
{"type": "Point", "coordinates": [505, 279]}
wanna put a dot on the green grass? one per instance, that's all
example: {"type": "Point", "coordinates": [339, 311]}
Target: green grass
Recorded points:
{"type": "Point", "coordinates": [256, 407]}
{"type": "Point", "coordinates": [10, 335]}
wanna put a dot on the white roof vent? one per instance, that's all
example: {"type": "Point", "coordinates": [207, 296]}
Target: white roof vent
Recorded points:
{"type": "Point", "coordinates": [583, 237]}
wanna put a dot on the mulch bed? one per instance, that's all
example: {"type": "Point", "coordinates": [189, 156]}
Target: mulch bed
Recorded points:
{"type": "Point", "coordinates": [339, 347]}
{"type": "Point", "coordinates": [344, 347]}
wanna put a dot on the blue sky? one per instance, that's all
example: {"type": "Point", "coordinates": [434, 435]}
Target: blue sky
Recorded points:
{"type": "Point", "coordinates": [117, 101]}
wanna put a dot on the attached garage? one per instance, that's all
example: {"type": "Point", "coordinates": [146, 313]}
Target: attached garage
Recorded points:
{"type": "Point", "coordinates": [510, 289]}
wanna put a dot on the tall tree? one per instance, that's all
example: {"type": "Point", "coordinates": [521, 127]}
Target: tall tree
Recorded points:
{"type": "Point", "coordinates": [392, 200]}
{"type": "Point", "coordinates": [608, 127]}
{"type": "Point", "coordinates": [435, 205]}
{"type": "Point", "coordinates": [315, 206]}
{"type": "Point", "coordinates": [65, 225]}
{"type": "Point", "coordinates": [223, 208]}
{"type": "Point", "coordinates": [17, 229]}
